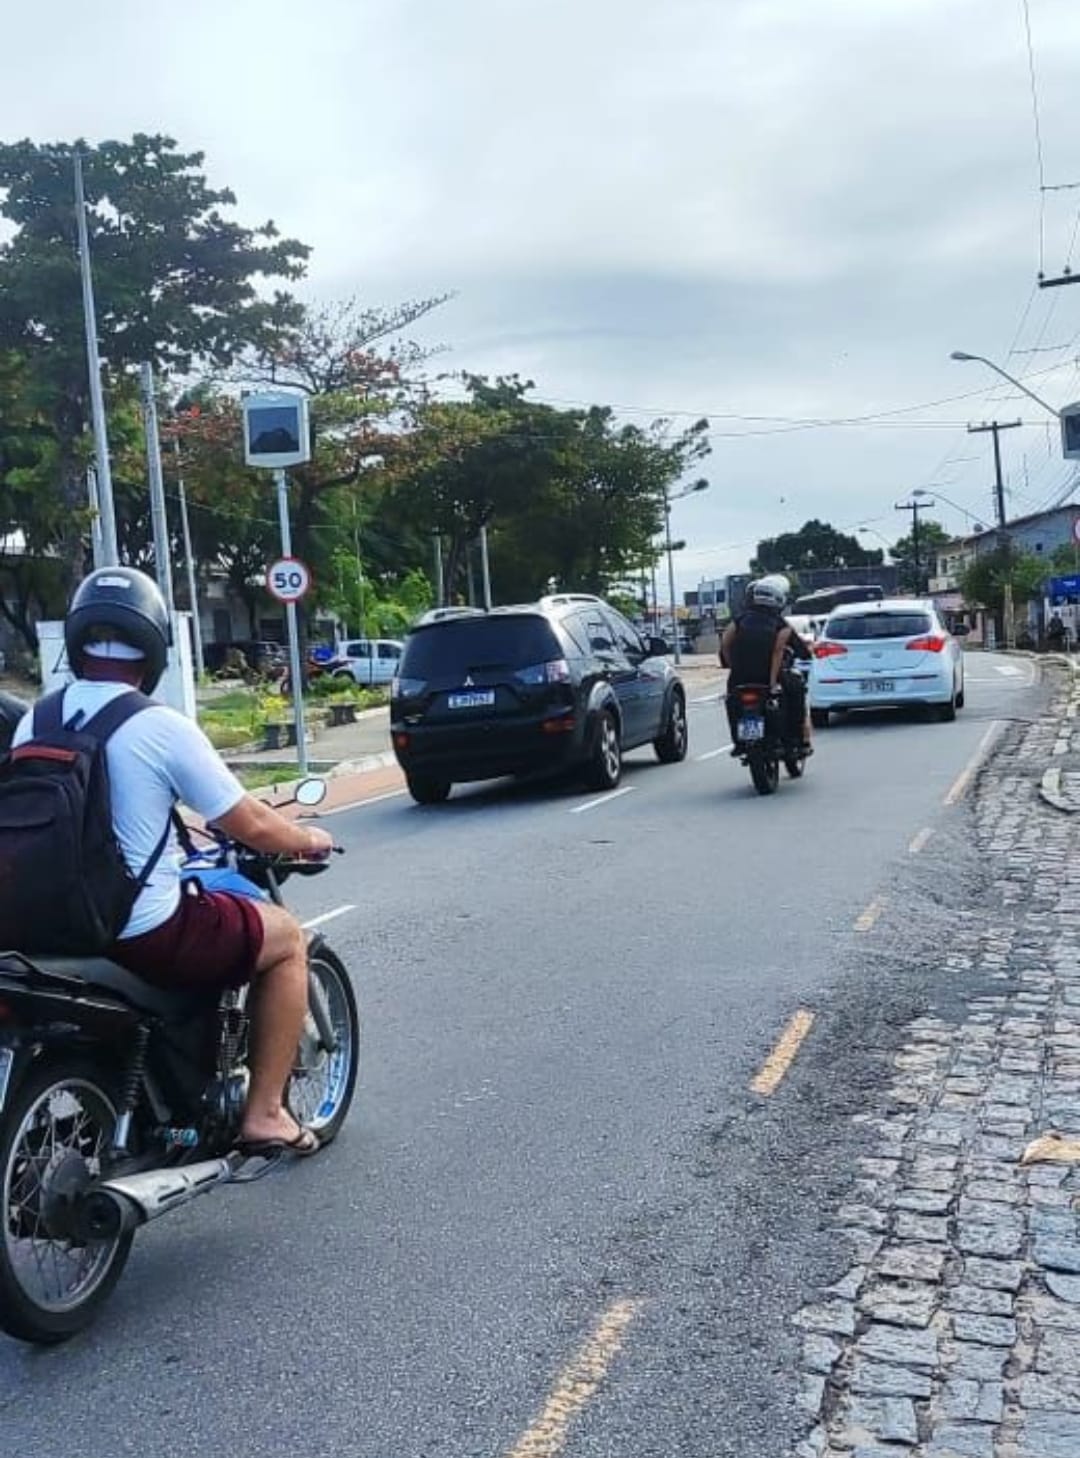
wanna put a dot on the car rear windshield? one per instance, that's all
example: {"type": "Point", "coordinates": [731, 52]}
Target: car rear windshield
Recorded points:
{"type": "Point", "coordinates": [860, 626]}
{"type": "Point", "coordinates": [471, 644]}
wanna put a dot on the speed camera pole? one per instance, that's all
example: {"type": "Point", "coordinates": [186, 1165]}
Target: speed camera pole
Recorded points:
{"type": "Point", "coordinates": [281, 482]}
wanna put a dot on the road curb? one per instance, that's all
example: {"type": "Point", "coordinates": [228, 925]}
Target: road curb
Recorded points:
{"type": "Point", "coordinates": [1050, 791]}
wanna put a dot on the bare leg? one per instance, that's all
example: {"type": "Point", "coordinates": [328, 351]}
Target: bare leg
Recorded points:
{"type": "Point", "coordinates": [279, 1001]}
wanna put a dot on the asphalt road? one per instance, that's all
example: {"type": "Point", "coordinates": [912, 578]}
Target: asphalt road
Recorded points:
{"type": "Point", "coordinates": [565, 1001]}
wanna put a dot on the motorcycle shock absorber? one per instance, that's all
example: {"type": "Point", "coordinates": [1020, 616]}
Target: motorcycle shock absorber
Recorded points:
{"type": "Point", "coordinates": [130, 1090]}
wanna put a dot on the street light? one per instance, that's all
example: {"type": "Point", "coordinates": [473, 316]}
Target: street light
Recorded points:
{"type": "Point", "coordinates": [921, 492]}
{"type": "Point", "coordinates": [690, 490]}
{"type": "Point", "coordinates": [959, 354]}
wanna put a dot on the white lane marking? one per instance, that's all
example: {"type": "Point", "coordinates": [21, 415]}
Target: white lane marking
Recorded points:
{"type": "Point", "coordinates": [328, 916]}
{"type": "Point", "coordinates": [921, 841]}
{"type": "Point", "coordinates": [711, 754]}
{"type": "Point", "coordinates": [1008, 669]}
{"type": "Point", "coordinates": [708, 699]}
{"type": "Point", "coordinates": [358, 804]}
{"type": "Point", "coordinates": [603, 800]}
{"type": "Point", "coordinates": [968, 773]}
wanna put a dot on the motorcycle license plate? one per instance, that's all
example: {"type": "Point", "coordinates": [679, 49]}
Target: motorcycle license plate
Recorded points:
{"type": "Point", "coordinates": [751, 729]}
{"type": "Point", "coordinates": [877, 686]}
{"type": "Point", "coordinates": [479, 699]}
{"type": "Point", "coordinates": [7, 1059]}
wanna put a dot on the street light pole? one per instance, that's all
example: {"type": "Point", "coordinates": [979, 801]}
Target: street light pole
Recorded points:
{"type": "Point", "coordinates": [110, 552]}
{"type": "Point", "coordinates": [671, 573]}
{"type": "Point", "coordinates": [964, 358]}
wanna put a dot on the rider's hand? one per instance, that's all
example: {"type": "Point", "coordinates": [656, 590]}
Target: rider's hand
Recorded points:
{"type": "Point", "coordinates": [320, 843]}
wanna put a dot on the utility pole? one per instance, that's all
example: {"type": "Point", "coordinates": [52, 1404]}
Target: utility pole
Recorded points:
{"type": "Point", "coordinates": [995, 427]}
{"type": "Point", "coordinates": [440, 591]}
{"type": "Point", "coordinates": [915, 507]}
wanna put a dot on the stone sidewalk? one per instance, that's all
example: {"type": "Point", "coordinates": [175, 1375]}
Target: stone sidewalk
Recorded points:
{"type": "Point", "coordinates": [956, 1331]}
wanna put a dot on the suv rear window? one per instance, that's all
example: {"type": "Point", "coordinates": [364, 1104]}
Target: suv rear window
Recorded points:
{"type": "Point", "coordinates": [479, 643]}
{"type": "Point", "coordinates": [860, 626]}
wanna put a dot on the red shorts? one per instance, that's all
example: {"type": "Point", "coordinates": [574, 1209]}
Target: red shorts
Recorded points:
{"type": "Point", "coordinates": [212, 941]}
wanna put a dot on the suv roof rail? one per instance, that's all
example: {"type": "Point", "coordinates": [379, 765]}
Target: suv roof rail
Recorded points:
{"type": "Point", "coordinates": [560, 599]}
{"type": "Point", "coordinates": [439, 615]}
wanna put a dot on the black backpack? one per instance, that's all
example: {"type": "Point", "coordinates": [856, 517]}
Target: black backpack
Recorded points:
{"type": "Point", "coordinates": [65, 888]}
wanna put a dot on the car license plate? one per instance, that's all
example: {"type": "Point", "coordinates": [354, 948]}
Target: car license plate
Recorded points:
{"type": "Point", "coordinates": [477, 699]}
{"type": "Point", "coordinates": [877, 686]}
{"type": "Point", "coordinates": [7, 1059]}
{"type": "Point", "coordinates": [751, 729]}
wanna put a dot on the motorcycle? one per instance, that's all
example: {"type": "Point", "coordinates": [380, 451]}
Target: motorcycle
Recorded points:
{"type": "Point", "coordinates": [121, 1102]}
{"type": "Point", "coordinates": [757, 717]}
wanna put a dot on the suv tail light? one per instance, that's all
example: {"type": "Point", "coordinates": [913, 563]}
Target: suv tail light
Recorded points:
{"type": "Point", "coordinates": [825, 649]}
{"type": "Point", "coordinates": [406, 688]}
{"type": "Point", "coordinates": [556, 671]}
{"type": "Point", "coordinates": [932, 643]}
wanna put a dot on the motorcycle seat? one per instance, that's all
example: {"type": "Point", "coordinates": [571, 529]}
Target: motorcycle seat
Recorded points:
{"type": "Point", "coordinates": [99, 972]}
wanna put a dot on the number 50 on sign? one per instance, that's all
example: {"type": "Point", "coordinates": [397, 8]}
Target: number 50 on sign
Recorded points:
{"type": "Point", "coordinates": [288, 579]}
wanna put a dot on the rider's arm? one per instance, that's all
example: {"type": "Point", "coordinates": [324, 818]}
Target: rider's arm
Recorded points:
{"type": "Point", "coordinates": [799, 646]}
{"type": "Point", "coordinates": [262, 828]}
{"type": "Point", "coordinates": [725, 645]}
{"type": "Point", "coordinates": [780, 646]}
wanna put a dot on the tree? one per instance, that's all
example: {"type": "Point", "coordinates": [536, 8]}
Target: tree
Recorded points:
{"type": "Point", "coordinates": [984, 580]}
{"type": "Point", "coordinates": [174, 281]}
{"type": "Point", "coordinates": [815, 544]}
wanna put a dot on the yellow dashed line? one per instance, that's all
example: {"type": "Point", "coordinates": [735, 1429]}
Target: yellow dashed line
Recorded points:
{"type": "Point", "coordinates": [578, 1382]}
{"type": "Point", "coordinates": [783, 1055]}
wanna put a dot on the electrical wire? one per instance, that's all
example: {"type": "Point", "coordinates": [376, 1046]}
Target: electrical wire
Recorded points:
{"type": "Point", "coordinates": [1038, 136]}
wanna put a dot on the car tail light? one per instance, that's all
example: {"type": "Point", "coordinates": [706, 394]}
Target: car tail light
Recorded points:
{"type": "Point", "coordinates": [932, 643]}
{"type": "Point", "coordinates": [563, 724]}
{"type": "Point", "coordinates": [401, 741]}
{"type": "Point", "coordinates": [825, 649]}
{"type": "Point", "coordinates": [406, 688]}
{"type": "Point", "coordinates": [556, 671]}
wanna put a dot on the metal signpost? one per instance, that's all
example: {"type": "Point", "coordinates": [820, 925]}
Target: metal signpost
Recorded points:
{"type": "Point", "coordinates": [277, 435]}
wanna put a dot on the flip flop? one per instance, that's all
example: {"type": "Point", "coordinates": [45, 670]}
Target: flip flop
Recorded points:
{"type": "Point", "coordinates": [304, 1144]}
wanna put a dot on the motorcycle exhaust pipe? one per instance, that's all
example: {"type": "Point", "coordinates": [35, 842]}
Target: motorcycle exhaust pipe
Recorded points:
{"type": "Point", "coordinates": [117, 1206]}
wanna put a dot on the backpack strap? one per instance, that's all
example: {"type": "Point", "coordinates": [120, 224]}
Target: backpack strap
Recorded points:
{"type": "Point", "coordinates": [116, 712]}
{"type": "Point", "coordinates": [48, 715]}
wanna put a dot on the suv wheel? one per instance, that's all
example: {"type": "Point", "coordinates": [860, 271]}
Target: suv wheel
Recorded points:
{"type": "Point", "coordinates": [426, 791]}
{"type": "Point", "coordinates": [605, 755]}
{"type": "Point", "coordinates": [672, 743]}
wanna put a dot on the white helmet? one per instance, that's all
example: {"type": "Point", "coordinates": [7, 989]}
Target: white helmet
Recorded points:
{"type": "Point", "coordinates": [770, 592]}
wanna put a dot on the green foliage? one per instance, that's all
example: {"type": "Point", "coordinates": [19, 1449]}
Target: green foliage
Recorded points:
{"type": "Point", "coordinates": [815, 544]}
{"type": "Point", "coordinates": [984, 580]}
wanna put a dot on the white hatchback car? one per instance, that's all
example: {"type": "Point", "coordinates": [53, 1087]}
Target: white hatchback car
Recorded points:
{"type": "Point", "coordinates": [884, 655]}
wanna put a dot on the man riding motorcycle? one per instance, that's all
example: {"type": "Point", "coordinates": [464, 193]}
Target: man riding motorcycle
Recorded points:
{"type": "Point", "coordinates": [180, 936]}
{"type": "Point", "coordinates": [759, 647]}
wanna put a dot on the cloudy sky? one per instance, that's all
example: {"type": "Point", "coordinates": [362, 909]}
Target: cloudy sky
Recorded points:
{"type": "Point", "coordinates": [767, 211]}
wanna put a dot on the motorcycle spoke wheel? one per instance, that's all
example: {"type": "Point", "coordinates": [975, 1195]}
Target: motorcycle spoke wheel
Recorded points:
{"type": "Point", "coordinates": [322, 1083]}
{"type": "Point", "coordinates": [54, 1141]}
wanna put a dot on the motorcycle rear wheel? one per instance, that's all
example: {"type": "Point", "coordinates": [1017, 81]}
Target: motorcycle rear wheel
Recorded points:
{"type": "Point", "coordinates": [54, 1136]}
{"type": "Point", "coordinates": [765, 772]}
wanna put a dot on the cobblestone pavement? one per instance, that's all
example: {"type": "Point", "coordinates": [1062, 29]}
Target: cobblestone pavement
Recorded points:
{"type": "Point", "coordinates": [956, 1331]}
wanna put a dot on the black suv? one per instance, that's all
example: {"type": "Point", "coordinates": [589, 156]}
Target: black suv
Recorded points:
{"type": "Point", "coordinates": [552, 685]}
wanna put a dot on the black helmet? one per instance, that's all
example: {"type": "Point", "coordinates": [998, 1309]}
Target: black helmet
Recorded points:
{"type": "Point", "coordinates": [119, 604]}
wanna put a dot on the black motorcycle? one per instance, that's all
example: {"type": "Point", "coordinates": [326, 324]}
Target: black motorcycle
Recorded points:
{"type": "Point", "coordinates": [120, 1102]}
{"type": "Point", "coordinates": [757, 718]}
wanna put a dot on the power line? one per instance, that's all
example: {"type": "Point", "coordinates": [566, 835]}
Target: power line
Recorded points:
{"type": "Point", "coordinates": [1038, 136]}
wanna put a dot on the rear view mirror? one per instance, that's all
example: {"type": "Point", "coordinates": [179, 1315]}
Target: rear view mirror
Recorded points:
{"type": "Point", "coordinates": [658, 648]}
{"type": "Point", "coordinates": [310, 793]}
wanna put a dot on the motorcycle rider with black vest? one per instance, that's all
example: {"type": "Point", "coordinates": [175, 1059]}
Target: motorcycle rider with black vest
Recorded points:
{"type": "Point", "coordinates": [758, 647]}
{"type": "Point", "coordinates": [180, 936]}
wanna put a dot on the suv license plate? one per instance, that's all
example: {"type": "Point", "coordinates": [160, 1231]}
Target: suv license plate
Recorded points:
{"type": "Point", "coordinates": [480, 699]}
{"type": "Point", "coordinates": [751, 729]}
{"type": "Point", "coordinates": [877, 686]}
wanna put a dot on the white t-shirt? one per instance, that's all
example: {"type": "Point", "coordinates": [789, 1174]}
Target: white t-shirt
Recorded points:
{"type": "Point", "coordinates": [155, 759]}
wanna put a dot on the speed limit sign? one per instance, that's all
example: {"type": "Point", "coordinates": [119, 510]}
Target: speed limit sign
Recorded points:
{"type": "Point", "coordinates": [288, 579]}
